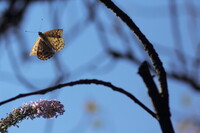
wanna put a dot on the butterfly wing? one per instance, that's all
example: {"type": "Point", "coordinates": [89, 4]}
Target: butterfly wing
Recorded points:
{"type": "Point", "coordinates": [58, 33]}
{"type": "Point", "coordinates": [55, 38]}
{"type": "Point", "coordinates": [35, 48]}
{"type": "Point", "coordinates": [41, 50]}
{"type": "Point", "coordinates": [57, 43]}
{"type": "Point", "coordinates": [44, 52]}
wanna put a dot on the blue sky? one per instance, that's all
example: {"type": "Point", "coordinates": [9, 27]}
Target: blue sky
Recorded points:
{"type": "Point", "coordinates": [115, 112]}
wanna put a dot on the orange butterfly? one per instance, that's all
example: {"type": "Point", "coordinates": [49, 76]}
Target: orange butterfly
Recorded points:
{"type": "Point", "coordinates": [47, 44]}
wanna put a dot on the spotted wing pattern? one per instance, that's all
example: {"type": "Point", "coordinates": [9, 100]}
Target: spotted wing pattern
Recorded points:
{"type": "Point", "coordinates": [57, 33]}
{"type": "Point", "coordinates": [57, 43]}
{"type": "Point", "coordinates": [42, 50]}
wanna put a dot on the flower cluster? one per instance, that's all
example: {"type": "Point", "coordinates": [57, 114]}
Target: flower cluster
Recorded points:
{"type": "Point", "coordinates": [48, 108]}
{"type": "Point", "coordinates": [40, 108]}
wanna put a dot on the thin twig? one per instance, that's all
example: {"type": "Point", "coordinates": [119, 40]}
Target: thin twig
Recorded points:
{"type": "Point", "coordinates": [79, 82]}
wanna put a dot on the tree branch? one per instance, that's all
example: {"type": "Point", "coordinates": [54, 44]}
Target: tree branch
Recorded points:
{"type": "Point", "coordinates": [147, 47]}
{"type": "Point", "coordinates": [80, 82]}
{"type": "Point", "coordinates": [163, 96]}
{"type": "Point", "coordinates": [158, 103]}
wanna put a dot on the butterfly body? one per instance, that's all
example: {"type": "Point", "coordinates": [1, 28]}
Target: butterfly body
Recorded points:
{"type": "Point", "coordinates": [47, 44]}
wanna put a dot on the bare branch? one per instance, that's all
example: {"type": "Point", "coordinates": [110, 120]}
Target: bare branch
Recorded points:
{"type": "Point", "coordinates": [160, 71]}
{"type": "Point", "coordinates": [158, 103]}
{"type": "Point", "coordinates": [147, 47]}
{"type": "Point", "coordinates": [80, 82]}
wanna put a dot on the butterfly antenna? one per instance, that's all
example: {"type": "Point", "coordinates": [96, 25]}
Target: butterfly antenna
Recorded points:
{"type": "Point", "coordinates": [30, 31]}
{"type": "Point", "coordinates": [41, 24]}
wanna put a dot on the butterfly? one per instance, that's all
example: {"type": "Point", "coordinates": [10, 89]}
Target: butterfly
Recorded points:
{"type": "Point", "coordinates": [47, 44]}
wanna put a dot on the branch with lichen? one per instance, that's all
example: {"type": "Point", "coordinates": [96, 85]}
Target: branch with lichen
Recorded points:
{"type": "Point", "coordinates": [41, 108]}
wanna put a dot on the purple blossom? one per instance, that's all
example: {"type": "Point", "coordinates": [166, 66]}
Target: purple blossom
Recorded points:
{"type": "Point", "coordinates": [41, 108]}
{"type": "Point", "coordinates": [48, 108]}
